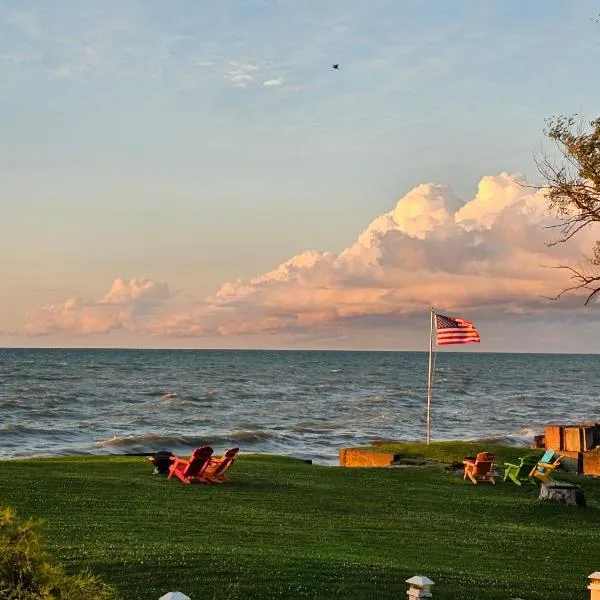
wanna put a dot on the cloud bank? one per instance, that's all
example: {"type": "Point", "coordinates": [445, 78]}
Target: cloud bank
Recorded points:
{"type": "Point", "coordinates": [481, 257]}
{"type": "Point", "coordinates": [123, 307]}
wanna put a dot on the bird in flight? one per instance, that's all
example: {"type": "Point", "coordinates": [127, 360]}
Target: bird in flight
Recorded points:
{"type": "Point", "coordinates": [337, 66]}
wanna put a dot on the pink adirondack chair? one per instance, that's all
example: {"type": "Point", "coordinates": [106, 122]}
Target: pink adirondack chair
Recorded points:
{"type": "Point", "coordinates": [191, 470]}
{"type": "Point", "coordinates": [219, 465]}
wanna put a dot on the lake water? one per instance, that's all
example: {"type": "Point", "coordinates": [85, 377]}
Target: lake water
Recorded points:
{"type": "Point", "coordinates": [307, 404]}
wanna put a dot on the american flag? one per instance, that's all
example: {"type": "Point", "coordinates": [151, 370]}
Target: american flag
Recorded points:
{"type": "Point", "coordinates": [454, 330]}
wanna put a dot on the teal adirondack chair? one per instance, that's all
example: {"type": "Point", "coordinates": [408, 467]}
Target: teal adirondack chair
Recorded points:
{"type": "Point", "coordinates": [543, 469]}
{"type": "Point", "coordinates": [519, 473]}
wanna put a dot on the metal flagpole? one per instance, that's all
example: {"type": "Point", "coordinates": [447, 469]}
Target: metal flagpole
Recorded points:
{"type": "Point", "coordinates": [430, 378]}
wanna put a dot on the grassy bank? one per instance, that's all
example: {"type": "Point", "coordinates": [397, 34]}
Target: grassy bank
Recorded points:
{"type": "Point", "coordinates": [285, 529]}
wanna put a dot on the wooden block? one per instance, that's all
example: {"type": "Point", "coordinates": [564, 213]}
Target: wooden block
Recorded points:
{"type": "Point", "coordinates": [354, 457]}
{"type": "Point", "coordinates": [591, 463]}
{"type": "Point", "coordinates": [572, 439]}
{"type": "Point", "coordinates": [553, 435]}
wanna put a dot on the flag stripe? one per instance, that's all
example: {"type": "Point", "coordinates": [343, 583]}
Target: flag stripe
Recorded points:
{"type": "Point", "coordinates": [454, 330]}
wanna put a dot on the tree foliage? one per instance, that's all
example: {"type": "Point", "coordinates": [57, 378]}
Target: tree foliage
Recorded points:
{"type": "Point", "coordinates": [27, 571]}
{"type": "Point", "coordinates": [573, 191]}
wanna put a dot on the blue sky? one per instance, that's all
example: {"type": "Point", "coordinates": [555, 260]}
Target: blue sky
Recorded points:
{"type": "Point", "coordinates": [197, 143]}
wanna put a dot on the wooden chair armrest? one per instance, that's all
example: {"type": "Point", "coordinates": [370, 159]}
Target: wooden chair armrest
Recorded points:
{"type": "Point", "coordinates": [548, 465]}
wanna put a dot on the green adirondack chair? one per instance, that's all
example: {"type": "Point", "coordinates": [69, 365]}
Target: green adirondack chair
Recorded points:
{"type": "Point", "coordinates": [518, 473]}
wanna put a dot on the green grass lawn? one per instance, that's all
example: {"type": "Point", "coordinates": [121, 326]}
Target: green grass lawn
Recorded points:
{"type": "Point", "coordinates": [285, 529]}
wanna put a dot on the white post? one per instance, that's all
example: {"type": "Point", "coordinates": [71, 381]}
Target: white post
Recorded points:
{"type": "Point", "coordinates": [594, 586]}
{"type": "Point", "coordinates": [430, 377]}
{"type": "Point", "coordinates": [174, 596]}
{"type": "Point", "coordinates": [419, 587]}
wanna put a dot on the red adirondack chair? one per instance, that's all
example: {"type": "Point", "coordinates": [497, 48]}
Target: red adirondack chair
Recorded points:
{"type": "Point", "coordinates": [479, 468]}
{"type": "Point", "coordinates": [217, 467]}
{"type": "Point", "coordinates": [191, 470]}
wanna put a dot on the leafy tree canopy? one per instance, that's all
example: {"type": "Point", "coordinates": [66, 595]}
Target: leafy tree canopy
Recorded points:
{"type": "Point", "coordinates": [573, 190]}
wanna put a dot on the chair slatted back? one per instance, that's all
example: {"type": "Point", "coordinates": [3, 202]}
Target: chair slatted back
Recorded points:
{"type": "Point", "coordinates": [527, 463]}
{"type": "Point", "coordinates": [547, 457]}
{"type": "Point", "coordinates": [484, 461]}
{"type": "Point", "coordinates": [484, 456]}
{"type": "Point", "coordinates": [225, 461]}
{"type": "Point", "coordinates": [197, 461]}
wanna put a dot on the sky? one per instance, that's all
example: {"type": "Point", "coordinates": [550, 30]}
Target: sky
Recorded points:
{"type": "Point", "coordinates": [196, 175]}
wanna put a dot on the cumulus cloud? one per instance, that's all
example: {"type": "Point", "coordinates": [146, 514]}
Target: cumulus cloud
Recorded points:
{"type": "Point", "coordinates": [272, 82]}
{"type": "Point", "coordinates": [484, 255]}
{"type": "Point", "coordinates": [125, 306]}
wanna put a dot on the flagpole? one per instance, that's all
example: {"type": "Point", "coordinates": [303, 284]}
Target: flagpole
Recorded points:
{"type": "Point", "coordinates": [430, 378]}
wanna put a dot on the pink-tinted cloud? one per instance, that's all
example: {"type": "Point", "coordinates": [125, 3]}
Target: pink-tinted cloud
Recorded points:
{"type": "Point", "coordinates": [487, 254]}
{"type": "Point", "coordinates": [126, 303]}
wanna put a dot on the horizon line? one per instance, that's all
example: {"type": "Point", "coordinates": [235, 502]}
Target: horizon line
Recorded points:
{"type": "Point", "coordinates": [348, 350]}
